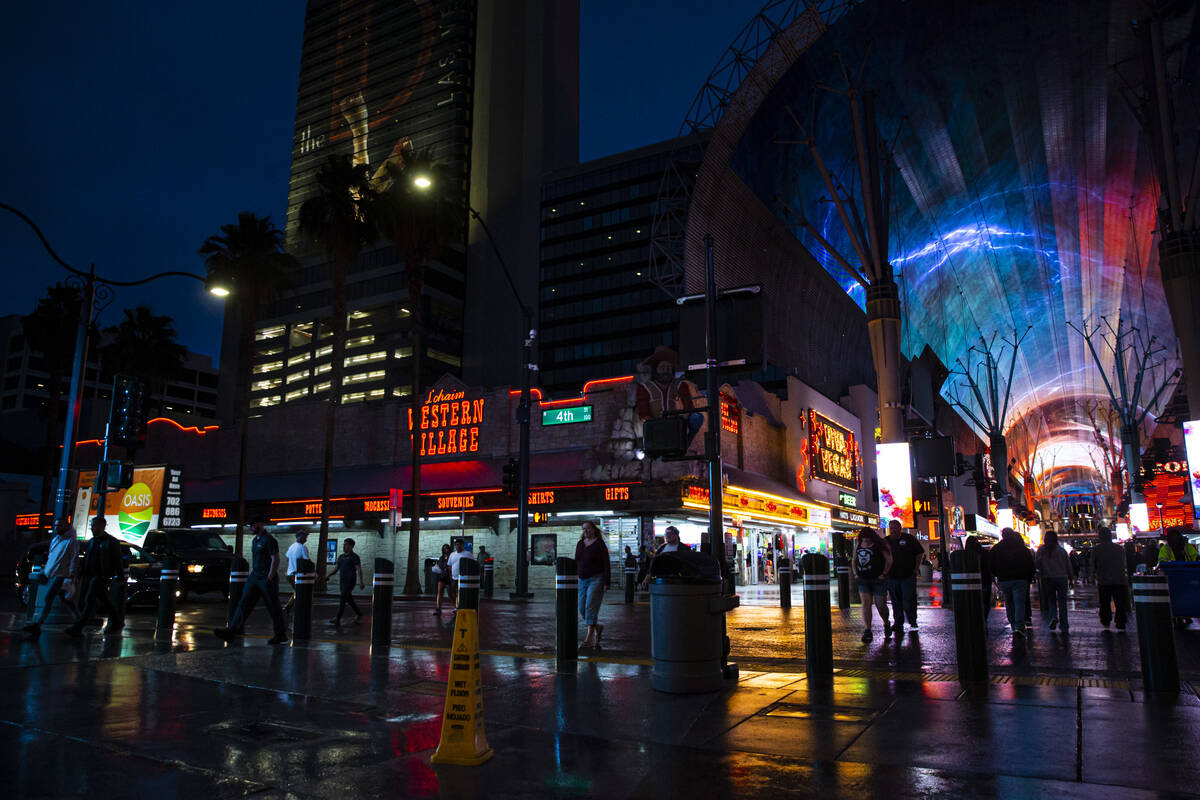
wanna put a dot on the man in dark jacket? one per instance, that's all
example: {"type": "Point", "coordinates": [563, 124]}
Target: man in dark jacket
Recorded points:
{"type": "Point", "coordinates": [101, 564]}
{"type": "Point", "coordinates": [902, 577]}
{"type": "Point", "coordinates": [1013, 566]}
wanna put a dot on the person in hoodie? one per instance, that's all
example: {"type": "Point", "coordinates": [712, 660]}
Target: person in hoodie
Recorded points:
{"type": "Point", "coordinates": [1013, 567]}
{"type": "Point", "coordinates": [1057, 575]}
{"type": "Point", "coordinates": [59, 569]}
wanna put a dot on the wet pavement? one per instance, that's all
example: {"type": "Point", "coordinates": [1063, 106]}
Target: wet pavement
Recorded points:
{"type": "Point", "coordinates": [122, 716]}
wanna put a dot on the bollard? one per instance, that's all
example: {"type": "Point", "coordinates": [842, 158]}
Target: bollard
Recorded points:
{"type": "Point", "coordinates": [818, 626]}
{"type": "Point", "coordinates": [1156, 641]}
{"type": "Point", "coordinates": [468, 584]}
{"type": "Point", "coordinates": [382, 587]}
{"type": "Point", "coordinates": [566, 595]}
{"type": "Point", "coordinates": [630, 581]}
{"type": "Point", "coordinates": [970, 633]}
{"type": "Point", "coordinates": [489, 578]}
{"type": "Point", "coordinates": [168, 585]}
{"type": "Point", "coordinates": [843, 577]}
{"type": "Point", "coordinates": [306, 578]}
{"type": "Point", "coordinates": [239, 571]}
{"type": "Point", "coordinates": [33, 582]}
{"type": "Point", "coordinates": [785, 583]}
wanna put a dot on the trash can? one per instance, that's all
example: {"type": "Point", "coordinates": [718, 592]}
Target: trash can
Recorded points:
{"type": "Point", "coordinates": [687, 634]}
{"type": "Point", "coordinates": [1183, 579]}
{"type": "Point", "coordinates": [926, 571]}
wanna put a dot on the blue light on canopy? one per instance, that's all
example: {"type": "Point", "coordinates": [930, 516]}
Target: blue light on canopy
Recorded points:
{"type": "Point", "coordinates": [1025, 195]}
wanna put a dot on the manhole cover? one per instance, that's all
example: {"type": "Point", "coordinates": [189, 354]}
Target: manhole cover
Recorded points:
{"type": "Point", "coordinates": [269, 733]}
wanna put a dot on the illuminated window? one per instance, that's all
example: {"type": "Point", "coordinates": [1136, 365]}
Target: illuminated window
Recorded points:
{"type": "Point", "coordinates": [321, 388]}
{"type": "Point", "coordinates": [361, 341]}
{"type": "Point", "coordinates": [268, 351]}
{"type": "Point", "coordinates": [365, 358]}
{"type": "Point", "coordinates": [301, 335]}
{"type": "Point", "coordinates": [365, 376]}
{"type": "Point", "coordinates": [269, 333]}
{"type": "Point", "coordinates": [290, 396]}
{"type": "Point", "coordinates": [402, 391]}
{"type": "Point", "coordinates": [300, 359]}
{"type": "Point", "coordinates": [375, 393]}
{"type": "Point", "coordinates": [263, 402]}
{"type": "Point", "coordinates": [297, 376]}
{"type": "Point", "coordinates": [268, 367]}
{"type": "Point", "coordinates": [354, 397]}
{"type": "Point", "coordinates": [264, 386]}
{"type": "Point", "coordinates": [445, 358]}
{"type": "Point", "coordinates": [403, 352]}
{"type": "Point", "coordinates": [321, 369]}
{"type": "Point", "coordinates": [324, 351]}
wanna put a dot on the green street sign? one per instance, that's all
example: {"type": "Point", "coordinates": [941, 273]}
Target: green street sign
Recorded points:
{"type": "Point", "coordinates": [565, 416]}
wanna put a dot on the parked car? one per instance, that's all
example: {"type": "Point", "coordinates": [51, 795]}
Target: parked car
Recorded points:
{"type": "Point", "coordinates": [141, 572]}
{"type": "Point", "coordinates": [203, 557]}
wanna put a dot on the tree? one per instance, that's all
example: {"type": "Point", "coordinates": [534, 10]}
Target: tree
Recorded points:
{"type": "Point", "coordinates": [417, 212]}
{"type": "Point", "coordinates": [50, 330]}
{"type": "Point", "coordinates": [143, 345]}
{"type": "Point", "coordinates": [339, 218]}
{"type": "Point", "coordinates": [250, 256]}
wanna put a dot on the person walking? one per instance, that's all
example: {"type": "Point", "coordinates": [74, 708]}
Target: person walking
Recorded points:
{"type": "Point", "coordinates": [58, 573]}
{"type": "Point", "coordinates": [902, 575]}
{"type": "Point", "coordinates": [1013, 566]}
{"type": "Point", "coordinates": [595, 576]}
{"type": "Point", "coordinates": [348, 566]}
{"type": "Point", "coordinates": [101, 565]}
{"type": "Point", "coordinates": [872, 560]}
{"type": "Point", "coordinates": [1057, 574]}
{"type": "Point", "coordinates": [453, 560]}
{"type": "Point", "coordinates": [1108, 564]}
{"type": "Point", "coordinates": [263, 582]}
{"type": "Point", "coordinates": [441, 571]}
{"type": "Point", "coordinates": [297, 551]}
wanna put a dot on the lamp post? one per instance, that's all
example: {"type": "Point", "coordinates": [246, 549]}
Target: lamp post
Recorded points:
{"type": "Point", "coordinates": [1160, 516]}
{"type": "Point", "coordinates": [96, 293]}
{"type": "Point", "coordinates": [424, 182]}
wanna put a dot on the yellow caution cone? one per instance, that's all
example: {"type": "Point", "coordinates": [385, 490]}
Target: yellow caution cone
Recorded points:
{"type": "Point", "coordinates": [464, 741]}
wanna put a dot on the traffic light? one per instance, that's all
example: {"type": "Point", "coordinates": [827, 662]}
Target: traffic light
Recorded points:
{"type": "Point", "coordinates": [127, 415]}
{"type": "Point", "coordinates": [512, 479]}
{"type": "Point", "coordinates": [113, 476]}
{"type": "Point", "coordinates": [665, 436]}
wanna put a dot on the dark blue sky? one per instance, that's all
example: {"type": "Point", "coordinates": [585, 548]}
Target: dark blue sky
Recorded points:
{"type": "Point", "coordinates": [134, 132]}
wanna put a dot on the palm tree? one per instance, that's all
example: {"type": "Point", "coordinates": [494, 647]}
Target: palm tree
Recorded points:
{"type": "Point", "coordinates": [250, 256]}
{"type": "Point", "coordinates": [417, 213]}
{"type": "Point", "coordinates": [50, 330]}
{"type": "Point", "coordinates": [145, 346]}
{"type": "Point", "coordinates": [340, 218]}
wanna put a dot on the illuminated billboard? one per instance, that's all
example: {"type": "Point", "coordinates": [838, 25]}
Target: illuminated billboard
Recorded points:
{"type": "Point", "coordinates": [379, 78]}
{"type": "Point", "coordinates": [130, 513]}
{"type": "Point", "coordinates": [894, 473]}
{"type": "Point", "coordinates": [1191, 443]}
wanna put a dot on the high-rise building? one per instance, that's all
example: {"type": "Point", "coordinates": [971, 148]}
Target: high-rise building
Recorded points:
{"type": "Point", "coordinates": [490, 90]}
{"type": "Point", "coordinates": [600, 311]}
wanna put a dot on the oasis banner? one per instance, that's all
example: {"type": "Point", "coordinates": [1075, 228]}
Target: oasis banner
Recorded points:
{"type": "Point", "coordinates": [131, 513]}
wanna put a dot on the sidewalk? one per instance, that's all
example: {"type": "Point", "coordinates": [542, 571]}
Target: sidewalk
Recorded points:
{"type": "Point", "coordinates": [123, 717]}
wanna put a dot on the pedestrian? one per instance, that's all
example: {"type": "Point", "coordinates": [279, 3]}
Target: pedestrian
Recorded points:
{"type": "Point", "coordinates": [1013, 566]}
{"type": "Point", "coordinates": [1057, 575]}
{"type": "Point", "coordinates": [973, 545]}
{"type": "Point", "coordinates": [263, 582]}
{"type": "Point", "coordinates": [595, 577]}
{"type": "Point", "coordinates": [441, 572]}
{"type": "Point", "coordinates": [101, 566]}
{"type": "Point", "coordinates": [872, 560]}
{"type": "Point", "coordinates": [58, 574]}
{"type": "Point", "coordinates": [297, 551]}
{"type": "Point", "coordinates": [348, 566]}
{"type": "Point", "coordinates": [1108, 563]}
{"type": "Point", "coordinates": [670, 544]}
{"type": "Point", "coordinates": [902, 575]}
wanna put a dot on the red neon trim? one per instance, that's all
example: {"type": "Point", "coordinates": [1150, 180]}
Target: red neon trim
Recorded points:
{"type": "Point", "coordinates": [190, 429]}
{"type": "Point", "coordinates": [300, 519]}
{"type": "Point", "coordinates": [332, 499]}
{"type": "Point", "coordinates": [590, 385]}
{"type": "Point", "coordinates": [534, 392]}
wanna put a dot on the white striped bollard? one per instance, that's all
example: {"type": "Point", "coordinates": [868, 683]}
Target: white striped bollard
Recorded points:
{"type": "Point", "coordinates": [818, 625]}
{"type": "Point", "coordinates": [168, 585]}
{"type": "Point", "coordinates": [970, 635]}
{"type": "Point", "coordinates": [1156, 639]}
{"type": "Point", "coordinates": [306, 579]}
{"type": "Point", "coordinates": [382, 587]}
{"type": "Point", "coordinates": [239, 571]}
{"type": "Point", "coordinates": [566, 605]}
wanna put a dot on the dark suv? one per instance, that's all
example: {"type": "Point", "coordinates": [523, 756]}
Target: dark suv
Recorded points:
{"type": "Point", "coordinates": [203, 556]}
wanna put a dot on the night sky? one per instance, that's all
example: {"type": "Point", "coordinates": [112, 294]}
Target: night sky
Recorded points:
{"type": "Point", "coordinates": [135, 130]}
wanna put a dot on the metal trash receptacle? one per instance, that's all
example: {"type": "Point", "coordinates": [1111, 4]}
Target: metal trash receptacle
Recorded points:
{"type": "Point", "coordinates": [686, 630]}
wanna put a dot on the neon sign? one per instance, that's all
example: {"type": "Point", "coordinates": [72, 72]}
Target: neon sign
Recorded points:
{"type": "Point", "coordinates": [449, 423]}
{"type": "Point", "coordinates": [833, 451]}
{"type": "Point", "coordinates": [213, 513]}
{"type": "Point", "coordinates": [730, 414]}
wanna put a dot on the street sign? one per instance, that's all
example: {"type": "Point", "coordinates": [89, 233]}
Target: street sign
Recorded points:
{"type": "Point", "coordinates": [566, 416]}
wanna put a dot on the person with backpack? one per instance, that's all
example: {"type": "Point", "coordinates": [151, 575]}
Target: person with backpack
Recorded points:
{"type": "Point", "coordinates": [872, 560]}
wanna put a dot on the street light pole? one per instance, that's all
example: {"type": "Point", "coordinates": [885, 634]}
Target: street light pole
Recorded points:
{"type": "Point", "coordinates": [93, 288]}
{"type": "Point", "coordinates": [524, 411]}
